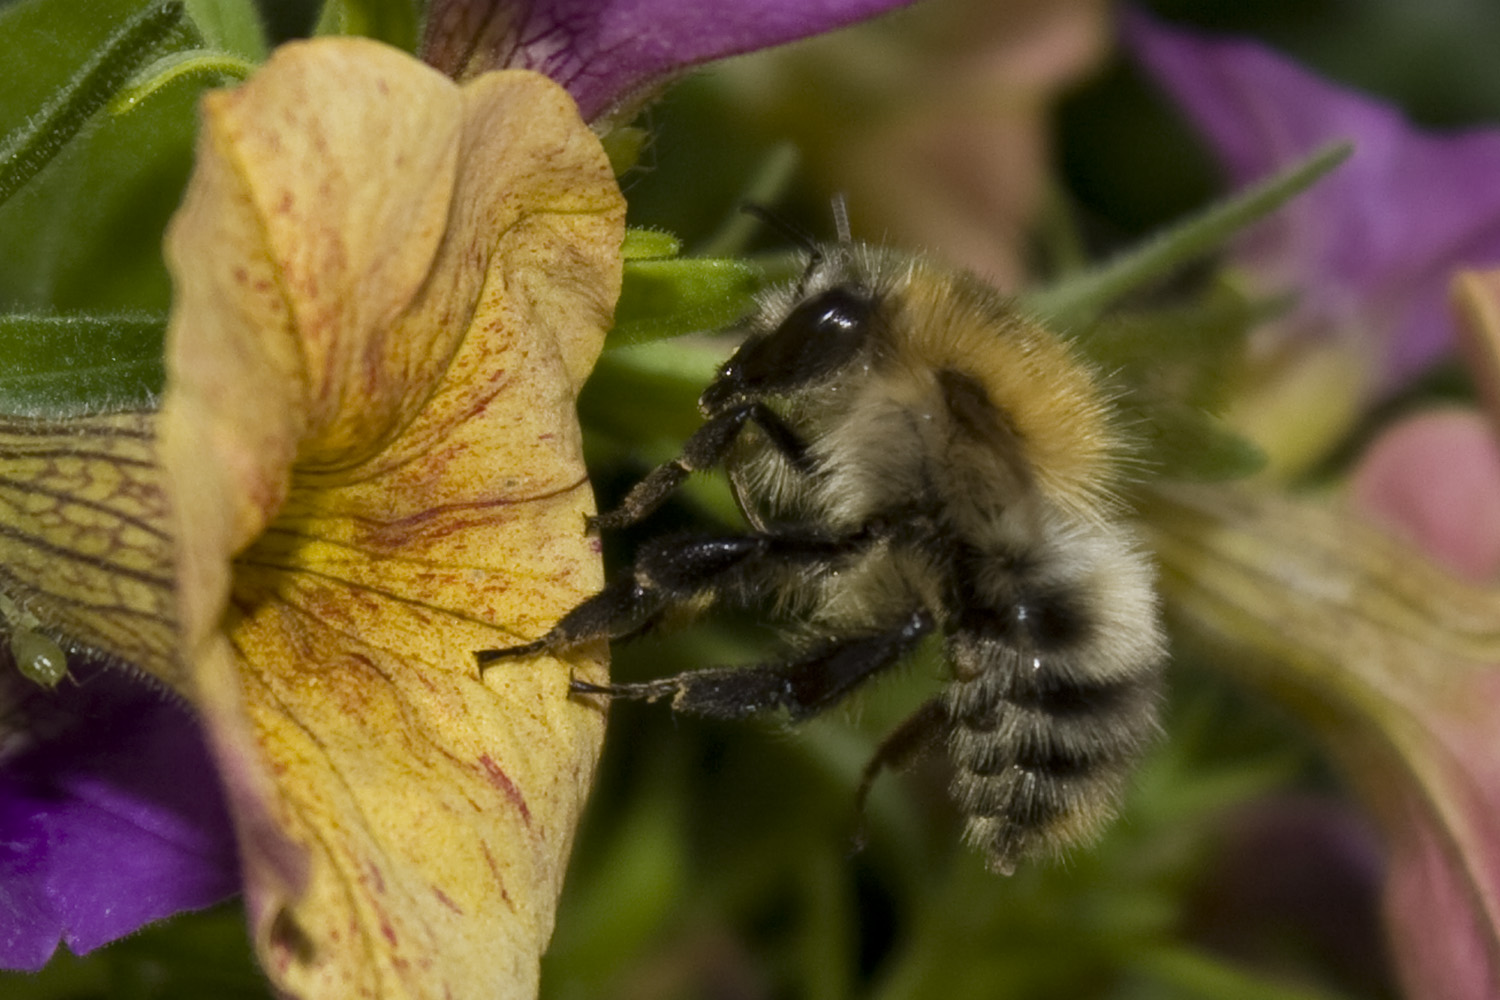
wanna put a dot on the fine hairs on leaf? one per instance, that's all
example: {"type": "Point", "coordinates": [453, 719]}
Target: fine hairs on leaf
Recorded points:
{"type": "Point", "coordinates": [88, 363]}
{"type": "Point", "coordinates": [25, 152]}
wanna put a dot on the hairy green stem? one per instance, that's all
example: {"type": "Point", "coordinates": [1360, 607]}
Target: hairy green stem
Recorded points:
{"type": "Point", "coordinates": [30, 149]}
{"type": "Point", "coordinates": [1082, 298]}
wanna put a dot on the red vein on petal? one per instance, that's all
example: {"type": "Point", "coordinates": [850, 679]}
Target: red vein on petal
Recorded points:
{"type": "Point", "coordinates": [502, 781]}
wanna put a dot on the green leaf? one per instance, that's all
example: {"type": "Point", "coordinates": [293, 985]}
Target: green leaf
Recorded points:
{"type": "Point", "coordinates": [649, 392]}
{"type": "Point", "coordinates": [1080, 299]}
{"type": "Point", "coordinates": [192, 955]}
{"type": "Point", "coordinates": [1189, 444]}
{"type": "Point", "coordinates": [58, 365]}
{"type": "Point", "coordinates": [644, 862]}
{"type": "Point", "coordinates": [623, 146]}
{"type": "Point", "coordinates": [27, 150]}
{"type": "Point", "coordinates": [1173, 366]}
{"type": "Point", "coordinates": [769, 184]}
{"type": "Point", "coordinates": [641, 402]}
{"type": "Point", "coordinates": [671, 297]}
{"type": "Point", "coordinates": [1183, 351]}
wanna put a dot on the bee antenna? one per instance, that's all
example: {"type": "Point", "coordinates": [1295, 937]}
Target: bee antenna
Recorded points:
{"type": "Point", "coordinates": [841, 218]}
{"type": "Point", "coordinates": [782, 225]}
{"type": "Point", "coordinates": [792, 232]}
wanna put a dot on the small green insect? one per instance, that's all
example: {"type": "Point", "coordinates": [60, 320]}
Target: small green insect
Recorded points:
{"type": "Point", "coordinates": [40, 659]}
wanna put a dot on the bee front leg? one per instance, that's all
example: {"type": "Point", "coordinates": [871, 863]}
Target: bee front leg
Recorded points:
{"type": "Point", "coordinates": [707, 447]}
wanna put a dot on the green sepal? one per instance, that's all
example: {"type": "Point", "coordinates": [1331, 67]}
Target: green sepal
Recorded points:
{"type": "Point", "coordinates": [391, 21]}
{"type": "Point", "coordinates": [669, 297]}
{"type": "Point", "coordinates": [623, 147]}
{"type": "Point", "coordinates": [1082, 298]}
{"type": "Point", "coordinates": [232, 27]}
{"type": "Point", "coordinates": [649, 244]}
{"type": "Point", "coordinates": [234, 46]}
{"type": "Point", "coordinates": [64, 365]}
{"type": "Point", "coordinates": [209, 66]}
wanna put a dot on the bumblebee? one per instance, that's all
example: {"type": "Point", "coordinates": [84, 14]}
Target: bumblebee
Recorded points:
{"type": "Point", "coordinates": [916, 458]}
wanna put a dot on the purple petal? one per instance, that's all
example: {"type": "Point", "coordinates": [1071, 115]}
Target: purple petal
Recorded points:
{"type": "Point", "coordinates": [111, 816]}
{"type": "Point", "coordinates": [28, 928]}
{"type": "Point", "coordinates": [1372, 246]}
{"type": "Point", "coordinates": [609, 53]}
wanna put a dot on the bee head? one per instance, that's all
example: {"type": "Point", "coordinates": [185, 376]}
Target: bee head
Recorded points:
{"type": "Point", "coordinates": [821, 334]}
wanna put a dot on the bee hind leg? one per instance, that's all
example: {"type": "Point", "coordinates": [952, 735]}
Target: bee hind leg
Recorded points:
{"type": "Point", "coordinates": [804, 686]}
{"type": "Point", "coordinates": [918, 734]}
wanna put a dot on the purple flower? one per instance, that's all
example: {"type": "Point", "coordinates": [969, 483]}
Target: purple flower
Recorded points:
{"type": "Point", "coordinates": [1370, 249]}
{"type": "Point", "coordinates": [111, 815]}
{"type": "Point", "coordinates": [612, 54]}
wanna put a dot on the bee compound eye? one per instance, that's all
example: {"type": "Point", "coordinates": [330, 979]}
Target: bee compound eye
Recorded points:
{"type": "Point", "coordinates": [829, 328]}
{"type": "Point", "coordinates": [817, 337]}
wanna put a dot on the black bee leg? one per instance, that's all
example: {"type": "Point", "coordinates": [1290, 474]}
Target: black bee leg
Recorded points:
{"type": "Point", "coordinates": [620, 609]}
{"type": "Point", "coordinates": [707, 447]}
{"type": "Point", "coordinates": [671, 572]}
{"type": "Point", "coordinates": [804, 687]}
{"type": "Point", "coordinates": [916, 735]}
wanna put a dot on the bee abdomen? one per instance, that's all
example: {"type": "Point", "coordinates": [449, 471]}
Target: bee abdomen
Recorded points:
{"type": "Point", "coordinates": [1042, 743]}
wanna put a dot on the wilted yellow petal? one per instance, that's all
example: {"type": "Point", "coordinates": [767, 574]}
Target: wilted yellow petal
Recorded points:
{"type": "Point", "coordinates": [389, 290]}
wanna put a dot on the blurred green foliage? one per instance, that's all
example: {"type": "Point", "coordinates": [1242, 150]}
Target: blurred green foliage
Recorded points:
{"type": "Point", "coordinates": [716, 861]}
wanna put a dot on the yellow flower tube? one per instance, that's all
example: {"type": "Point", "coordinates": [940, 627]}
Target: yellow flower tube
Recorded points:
{"type": "Point", "coordinates": [388, 290]}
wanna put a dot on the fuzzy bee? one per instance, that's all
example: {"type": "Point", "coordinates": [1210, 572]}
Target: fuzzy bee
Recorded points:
{"type": "Point", "coordinates": [923, 460]}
